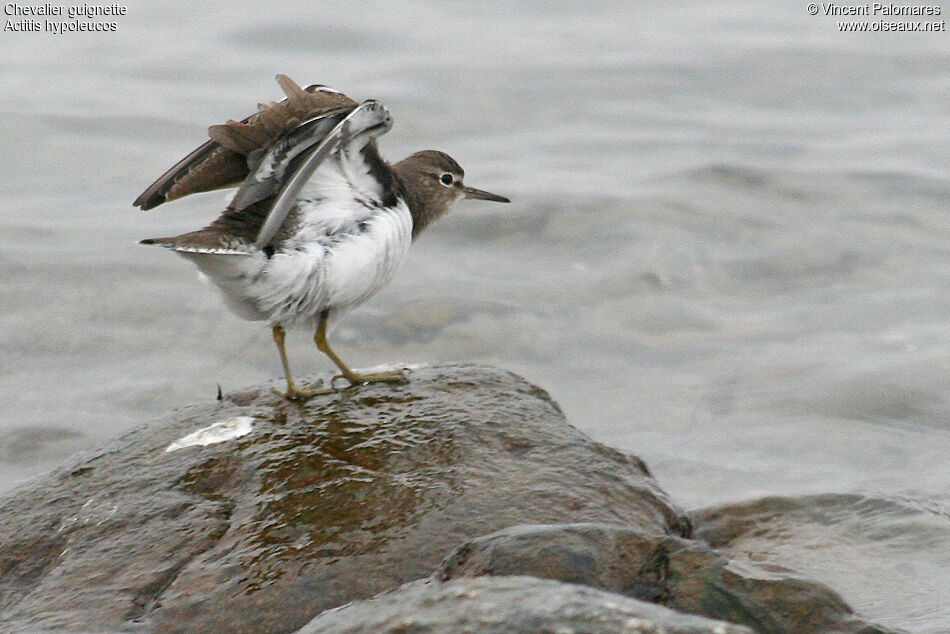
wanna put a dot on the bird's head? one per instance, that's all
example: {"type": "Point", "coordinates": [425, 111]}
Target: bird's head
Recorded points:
{"type": "Point", "coordinates": [433, 183]}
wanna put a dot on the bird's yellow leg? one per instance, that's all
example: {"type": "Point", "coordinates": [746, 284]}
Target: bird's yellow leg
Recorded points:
{"type": "Point", "coordinates": [355, 378]}
{"type": "Point", "coordinates": [279, 335]}
{"type": "Point", "coordinates": [293, 393]}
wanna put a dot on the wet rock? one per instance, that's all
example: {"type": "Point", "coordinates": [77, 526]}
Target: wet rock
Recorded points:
{"type": "Point", "coordinates": [675, 572]}
{"type": "Point", "coordinates": [764, 596]}
{"type": "Point", "coordinates": [283, 510]}
{"type": "Point", "coordinates": [869, 547]}
{"type": "Point", "coordinates": [611, 557]}
{"type": "Point", "coordinates": [508, 605]}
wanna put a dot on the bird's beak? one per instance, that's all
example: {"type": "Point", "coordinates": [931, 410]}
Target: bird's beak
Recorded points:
{"type": "Point", "coordinates": [478, 194]}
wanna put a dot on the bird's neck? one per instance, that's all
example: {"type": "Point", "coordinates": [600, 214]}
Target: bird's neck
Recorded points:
{"type": "Point", "coordinates": [422, 213]}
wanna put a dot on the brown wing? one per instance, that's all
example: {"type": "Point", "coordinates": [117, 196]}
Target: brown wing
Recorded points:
{"type": "Point", "coordinates": [233, 232]}
{"type": "Point", "coordinates": [222, 161]}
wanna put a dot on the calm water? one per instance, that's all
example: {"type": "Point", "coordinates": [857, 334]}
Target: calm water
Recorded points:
{"type": "Point", "coordinates": [727, 252]}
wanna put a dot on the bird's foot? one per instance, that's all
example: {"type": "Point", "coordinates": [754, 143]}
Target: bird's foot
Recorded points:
{"type": "Point", "coordinates": [352, 379]}
{"type": "Point", "coordinates": [389, 376]}
{"type": "Point", "coordinates": [300, 395]}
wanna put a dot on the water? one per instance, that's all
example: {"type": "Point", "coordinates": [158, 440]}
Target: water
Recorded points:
{"type": "Point", "coordinates": [727, 251]}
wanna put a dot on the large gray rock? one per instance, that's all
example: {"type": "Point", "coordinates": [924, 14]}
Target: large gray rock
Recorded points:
{"type": "Point", "coordinates": [508, 605]}
{"type": "Point", "coordinates": [676, 572]}
{"type": "Point", "coordinates": [887, 555]}
{"type": "Point", "coordinates": [319, 504]}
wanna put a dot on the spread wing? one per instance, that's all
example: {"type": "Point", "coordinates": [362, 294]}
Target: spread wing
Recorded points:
{"type": "Point", "coordinates": [237, 147]}
{"type": "Point", "coordinates": [334, 150]}
{"type": "Point", "coordinates": [348, 138]}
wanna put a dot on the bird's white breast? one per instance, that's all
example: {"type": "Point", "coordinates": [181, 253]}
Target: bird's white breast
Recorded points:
{"type": "Point", "coordinates": [345, 247]}
{"type": "Point", "coordinates": [343, 269]}
{"type": "Point", "coordinates": [315, 270]}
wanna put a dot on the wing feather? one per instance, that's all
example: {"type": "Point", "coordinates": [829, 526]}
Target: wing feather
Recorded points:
{"type": "Point", "coordinates": [270, 165]}
{"type": "Point", "coordinates": [367, 121]}
{"type": "Point", "coordinates": [216, 164]}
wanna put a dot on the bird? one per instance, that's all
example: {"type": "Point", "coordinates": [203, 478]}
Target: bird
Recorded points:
{"type": "Point", "coordinates": [319, 221]}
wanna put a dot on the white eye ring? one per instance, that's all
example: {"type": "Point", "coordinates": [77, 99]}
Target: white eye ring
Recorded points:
{"type": "Point", "coordinates": [447, 179]}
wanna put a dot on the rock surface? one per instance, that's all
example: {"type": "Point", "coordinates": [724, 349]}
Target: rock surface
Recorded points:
{"type": "Point", "coordinates": [313, 506]}
{"type": "Point", "coordinates": [678, 573]}
{"type": "Point", "coordinates": [868, 547]}
{"type": "Point", "coordinates": [508, 605]}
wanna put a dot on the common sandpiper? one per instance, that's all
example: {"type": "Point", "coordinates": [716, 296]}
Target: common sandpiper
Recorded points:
{"type": "Point", "coordinates": [319, 221]}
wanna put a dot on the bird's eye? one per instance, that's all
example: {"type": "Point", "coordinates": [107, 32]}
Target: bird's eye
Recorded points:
{"type": "Point", "coordinates": [447, 179]}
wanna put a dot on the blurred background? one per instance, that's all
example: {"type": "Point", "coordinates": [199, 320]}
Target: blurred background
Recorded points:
{"type": "Point", "coordinates": [727, 250]}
